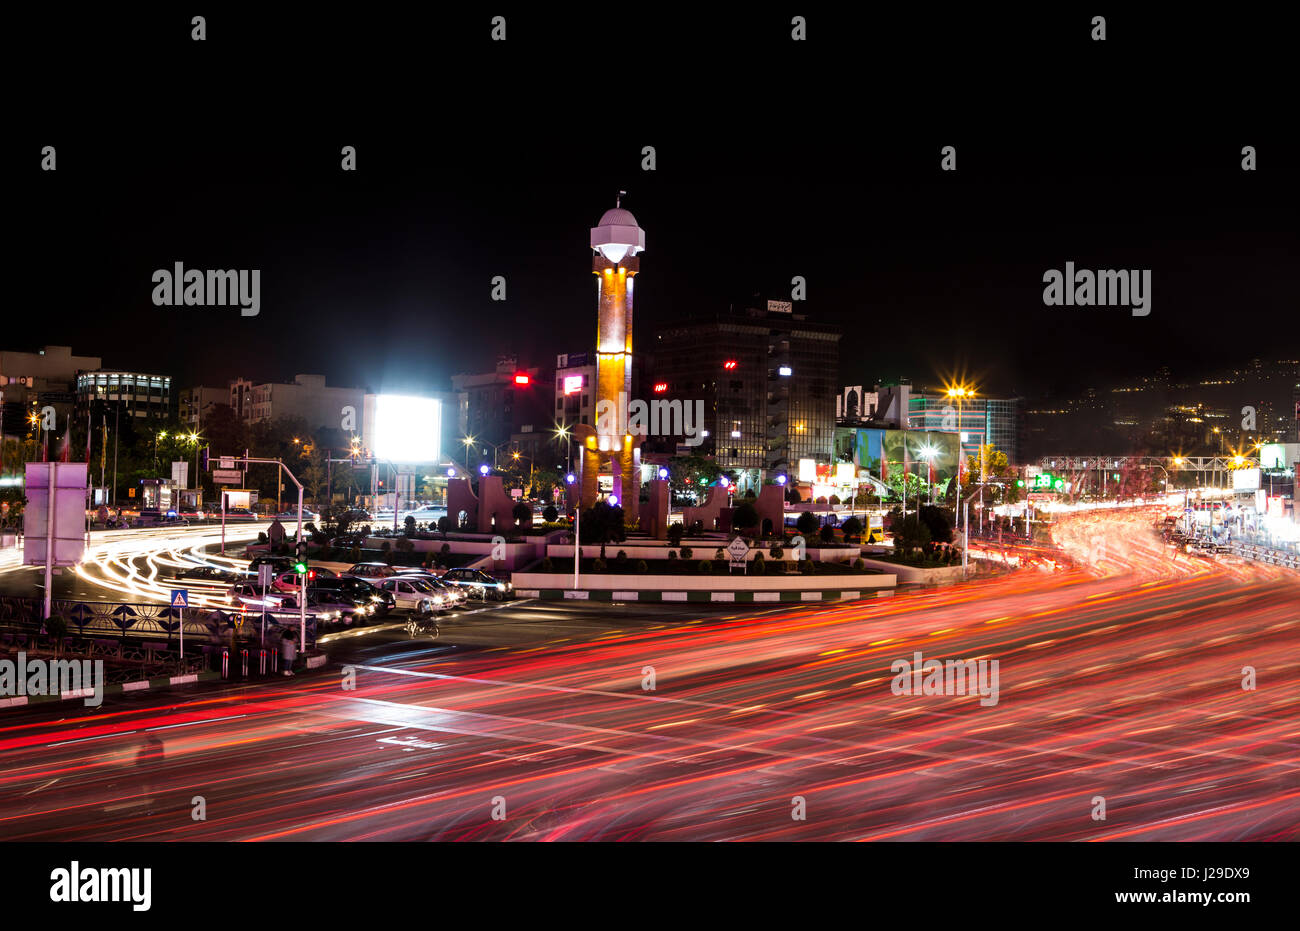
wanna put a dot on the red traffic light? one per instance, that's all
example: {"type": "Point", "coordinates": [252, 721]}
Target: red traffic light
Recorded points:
{"type": "Point", "coordinates": [661, 387]}
{"type": "Point", "coordinates": [522, 379]}
{"type": "Point", "coordinates": [729, 364]}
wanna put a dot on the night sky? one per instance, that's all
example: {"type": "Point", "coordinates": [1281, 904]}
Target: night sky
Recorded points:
{"type": "Point", "coordinates": [382, 277]}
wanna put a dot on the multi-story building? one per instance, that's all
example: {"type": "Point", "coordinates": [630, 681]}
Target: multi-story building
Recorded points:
{"type": "Point", "coordinates": [306, 397]}
{"type": "Point", "coordinates": [32, 380]}
{"type": "Point", "coordinates": [980, 421]}
{"type": "Point", "coordinates": [768, 378]}
{"type": "Point", "coordinates": [196, 404]}
{"type": "Point", "coordinates": [139, 395]}
{"type": "Point", "coordinates": [499, 405]}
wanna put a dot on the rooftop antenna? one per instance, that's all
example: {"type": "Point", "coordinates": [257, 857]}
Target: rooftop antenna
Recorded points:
{"type": "Point", "coordinates": [618, 201]}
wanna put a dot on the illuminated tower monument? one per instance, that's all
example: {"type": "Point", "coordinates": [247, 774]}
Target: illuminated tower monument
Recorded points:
{"type": "Point", "coordinates": [615, 241]}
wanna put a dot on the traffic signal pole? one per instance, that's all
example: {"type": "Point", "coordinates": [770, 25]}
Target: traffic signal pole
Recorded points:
{"type": "Point", "coordinates": [302, 600]}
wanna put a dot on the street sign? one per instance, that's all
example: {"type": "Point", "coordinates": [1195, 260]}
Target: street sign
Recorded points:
{"type": "Point", "coordinates": [227, 463]}
{"type": "Point", "coordinates": [738, 549]}
{"type": "Point", "coordinates": [227, 476]}
{"type": "Point", "coordinates": [180, 598]}
{"type": "Point", "coordinates": [265, 573]}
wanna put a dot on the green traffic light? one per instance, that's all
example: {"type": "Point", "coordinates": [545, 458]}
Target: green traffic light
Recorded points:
{"type": "Point", "coordinates": [300, 568]}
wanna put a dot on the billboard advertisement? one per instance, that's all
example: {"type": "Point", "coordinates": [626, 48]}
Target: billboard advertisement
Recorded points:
{"type": "Point", "coordinates": [403, 428]}
{"type": "Point", "coordinates": [886, 452]}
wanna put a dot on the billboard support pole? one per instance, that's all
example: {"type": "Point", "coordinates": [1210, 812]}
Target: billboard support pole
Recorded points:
{"type": "Point", "coordinates": [49, 536]}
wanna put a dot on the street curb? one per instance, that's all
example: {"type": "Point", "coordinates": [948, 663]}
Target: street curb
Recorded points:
{"type": "Point", "coordinates": [139, 685]}
{"type": "Point", "coordinates": [736, 597]}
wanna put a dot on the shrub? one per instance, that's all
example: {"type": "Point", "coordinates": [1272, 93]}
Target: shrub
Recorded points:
{"type": "Point", "coordinates": [852, 527]}
{"type": "Point", "coordinates": [444, 524]}
{"type": "Point", "coordinates": [547, 565]}
{"type": "Point", "coordinates": [807, 523]}
{"type": "Point", "coordinates": [719, 555]}
{"type": "Point", "coordinates": [550, 514]}
{"type": "Point", "coordinates": [386, 547]}
{"type": "Point", "coordinates": [704, 567]}
{"type": "Point", "coordinates": [409, 525]}
{"type": "Point", "coordinates": [697, 528]}
{"type": "Point", "coordinates": [598, 565]}
{"type": "Point", "coordinates": [446, 548]}
{"type": "Point", "coordinates": [745, 517]}
{"type": "Point", "coordinates": [806, 567]}
{"type": "Point", "coordinates": [672, 556]}
{"type": "Point", "coordinates": [828, 534]}
{"type": "Point", "coordinates": [749, 493]}
{"type": "Point", "coordinates": [641, 567]}
{"type": "Point", "coordinates": [404, 545]}
{"type": "Point", "coordinates": [523, 514]}
{"type": "Point", "coordinates": [758, 565]}
{"type": "Point", "coordinates": [859, 564]}
{"type": "Point", "coordinates": [261, 537]}
{"type": "Point", "coordinates": [675, 532]}
{"type": "Point", "coordinates": [778, 552]}
{"type": "Point", "coordinates": [835, 499]}
{"type": "Point", "coordinates": [687, 552]}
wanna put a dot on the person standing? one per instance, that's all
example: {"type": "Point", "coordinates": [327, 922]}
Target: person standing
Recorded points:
{"type": "Point", "coordinates": [289, 652]}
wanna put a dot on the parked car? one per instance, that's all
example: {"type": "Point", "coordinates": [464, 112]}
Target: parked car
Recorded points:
{"type": "Point", "coordinates": [249, 595]}
{"type": "Point", "coordinates": [281, 563]}
{"type": "Point", "coordinates": [329, 605]}
{"type": "Point", "coordinates": [287, 581]}
{"type": "Point", "coordinates": [210, 574]}
{"type": "Point", "coordinates": [413, 595]}
{"type": "Point", "coordinates": [479, 584]}
{"type": "Point", "coordinates": [459, 596]}
{"type": "Point", "coordinates": [371, 570]}
{"type": "Point", "coordinates": [360, 588]}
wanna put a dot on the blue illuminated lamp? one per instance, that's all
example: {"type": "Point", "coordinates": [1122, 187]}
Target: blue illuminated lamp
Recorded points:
{"type": "Point", "coordinates": [484, 469]}
{"type": "Point", "coordinates": [613, 500]}
{"type": "Point", "coordinates": [663, 473]}
{"type": "Point", "coordinates": [569, 478]}
{"type": "Point", "coordinates": [780, 479]}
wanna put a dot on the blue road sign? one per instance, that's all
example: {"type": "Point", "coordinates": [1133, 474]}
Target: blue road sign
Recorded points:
{"type": "Point", "coordinates": [180, 598]}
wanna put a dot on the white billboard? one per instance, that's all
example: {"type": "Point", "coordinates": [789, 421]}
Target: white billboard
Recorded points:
{"type": "Point", "coordinates": [68, 532]}
{"type": "Point", "coordinates": [403, 428]}
{"type": "Point", "coordinates": [1245, 480]}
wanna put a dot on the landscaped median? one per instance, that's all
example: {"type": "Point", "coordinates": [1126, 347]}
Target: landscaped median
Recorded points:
{"type": "Point", "coordinates": [742, 589]}
{"type": "Point", "coordinates": [738, 597]}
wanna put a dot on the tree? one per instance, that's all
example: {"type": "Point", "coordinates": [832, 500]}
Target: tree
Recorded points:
{"type": "Point", "coordinates": [910, 532]}
{"type": "Point", "coordinates": [523, 514]}
{"type": "Point", "coordinates": [852, 528]}
{"type": "Point", "coordinates": [807, 523]}
{"type": "Point", "coordinates": [938, 521]}
{"type": "Point", "coordinates": [550, 514]}
{"type": "Point", "coordinates": [675, 532]}
{"type": "Point", "coordinates": [745, 517]}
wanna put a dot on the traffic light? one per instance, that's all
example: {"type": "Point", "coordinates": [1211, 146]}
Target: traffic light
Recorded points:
{"type": "Point", "coordinates": [300, 567]}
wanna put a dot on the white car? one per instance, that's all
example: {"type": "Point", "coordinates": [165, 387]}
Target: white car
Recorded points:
{"type": "Point", "coordinates": [458, 596]}
{"type": "Point", "coordinates": [413, 595]}
{"type": "Point", "coordinates": [426, 515]}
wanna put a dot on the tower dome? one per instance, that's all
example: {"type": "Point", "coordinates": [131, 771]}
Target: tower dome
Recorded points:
{"type": "Point", "coordinates": [617, 235]}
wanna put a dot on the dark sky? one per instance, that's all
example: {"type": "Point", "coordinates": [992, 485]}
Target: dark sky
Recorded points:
{"type": "Point", "coordinates": [382, 277]}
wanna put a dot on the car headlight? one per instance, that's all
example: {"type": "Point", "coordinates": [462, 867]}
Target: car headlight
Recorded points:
{"type": "Point", "coordinates": [501, 586]}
